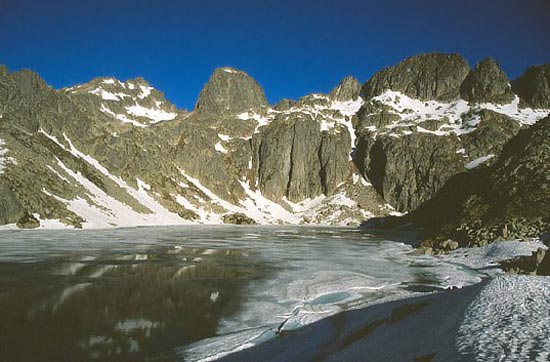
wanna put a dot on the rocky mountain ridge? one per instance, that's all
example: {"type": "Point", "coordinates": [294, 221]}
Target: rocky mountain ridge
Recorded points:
{"type": "Point", "coordinates": [112, 153]}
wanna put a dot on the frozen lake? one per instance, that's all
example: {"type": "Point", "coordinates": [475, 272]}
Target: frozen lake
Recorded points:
{"type": "Point", "coordinates": [193, 293]}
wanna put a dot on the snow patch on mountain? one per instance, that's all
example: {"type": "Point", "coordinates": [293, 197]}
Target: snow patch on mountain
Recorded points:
{"type": "Point", "coordinates": [4, 159]}
{"type": "Point", "coordinates": [232, 71]}
{"type": "Point", "coordinates": [358, 178]}
{"type": "Point", "coordinates": [121, 117]}
{"type": "Point", "coordinates": [218, 147]}
{"type": "Point", "coordinates": [108, 96]}
{"type": "Point", "coordinates": [260, 120]}
{"type": "Point", "coordinates": [454, 115]}
{"type": "Point", "coordinates": [415, 110]}
{"type": "Point", "coordinates": [478, 161]}
{"type": "Point", "coordinates": [145, 91]}
{"type": "Point", "coordinates": [154, 114]}
{"type": "Point", "coordinates": [348, 108]}
{"type": "Point", "coordinates": [255, 206]}
{"type": "Point", "coordinates": [224, 137]}
{"type": "Point", "coordinates": [3, 152]}
{"type": "Point", "coordinates": [526, 116]}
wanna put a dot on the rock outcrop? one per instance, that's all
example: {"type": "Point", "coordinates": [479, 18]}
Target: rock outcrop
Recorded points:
{"type": "Point", "coordinates": [492, 131]}
{"type": "Point", "coordinates": [487, 83]}
{"type": "Point", "coordinates": [430, 76]}
{"type": "Point", "coordinates": [11, 210]}
{"type": "Point", "coordinates": [533, 86]}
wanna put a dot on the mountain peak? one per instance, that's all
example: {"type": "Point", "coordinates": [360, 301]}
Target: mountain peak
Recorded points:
{"type": "Point", "coordinates": [428, 76]}
{"type": "Point", "coordinates": [230, 91]}
{"type": "Point", "coordinates": [487, 83]}
{"type": "Point", "coordinates": [534, 86]}
{"type": "Point", "coordinates": [348, 89]}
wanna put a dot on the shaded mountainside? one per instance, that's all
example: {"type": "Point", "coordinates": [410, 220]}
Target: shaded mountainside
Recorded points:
{"type": "Point", "coordinates": [534, 86]}
{"type": "Point", "coordinates": [508, 200]}
{"type": "Point", "coordinates": [414, 131]}
{"type": "Point", "coordinates": [117, 153]}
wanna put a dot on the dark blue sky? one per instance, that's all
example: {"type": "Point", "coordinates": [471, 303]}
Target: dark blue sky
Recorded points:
{"type": "Point", "coordinates": [291, 47]}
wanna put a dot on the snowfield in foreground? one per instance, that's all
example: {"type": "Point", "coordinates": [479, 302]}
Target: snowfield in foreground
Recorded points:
{"type": "Point", "coordinates": [505, 319]}
{"type": "Point", "coordinates": [508, 321]}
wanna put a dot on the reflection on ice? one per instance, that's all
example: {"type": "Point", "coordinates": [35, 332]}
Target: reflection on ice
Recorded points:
{"type": "Point", "coordinates": [111, 306]}
{"type": "Point", "coordinates": [67, 293]}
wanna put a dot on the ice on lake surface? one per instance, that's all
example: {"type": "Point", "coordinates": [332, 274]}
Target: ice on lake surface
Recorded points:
{"type": "Point", "coordinates": [192, 293]}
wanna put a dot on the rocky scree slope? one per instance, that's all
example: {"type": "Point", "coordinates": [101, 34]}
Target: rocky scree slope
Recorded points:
{"type": "Point", "coordinates": [113, 153]}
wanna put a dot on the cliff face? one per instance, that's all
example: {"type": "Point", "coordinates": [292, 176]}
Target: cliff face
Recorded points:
{"type": "Point", "coordinates": [117, 153]}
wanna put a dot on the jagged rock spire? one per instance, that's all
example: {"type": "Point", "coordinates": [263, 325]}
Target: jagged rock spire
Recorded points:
{"type": "Point", "coordinates": [348, 89]}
